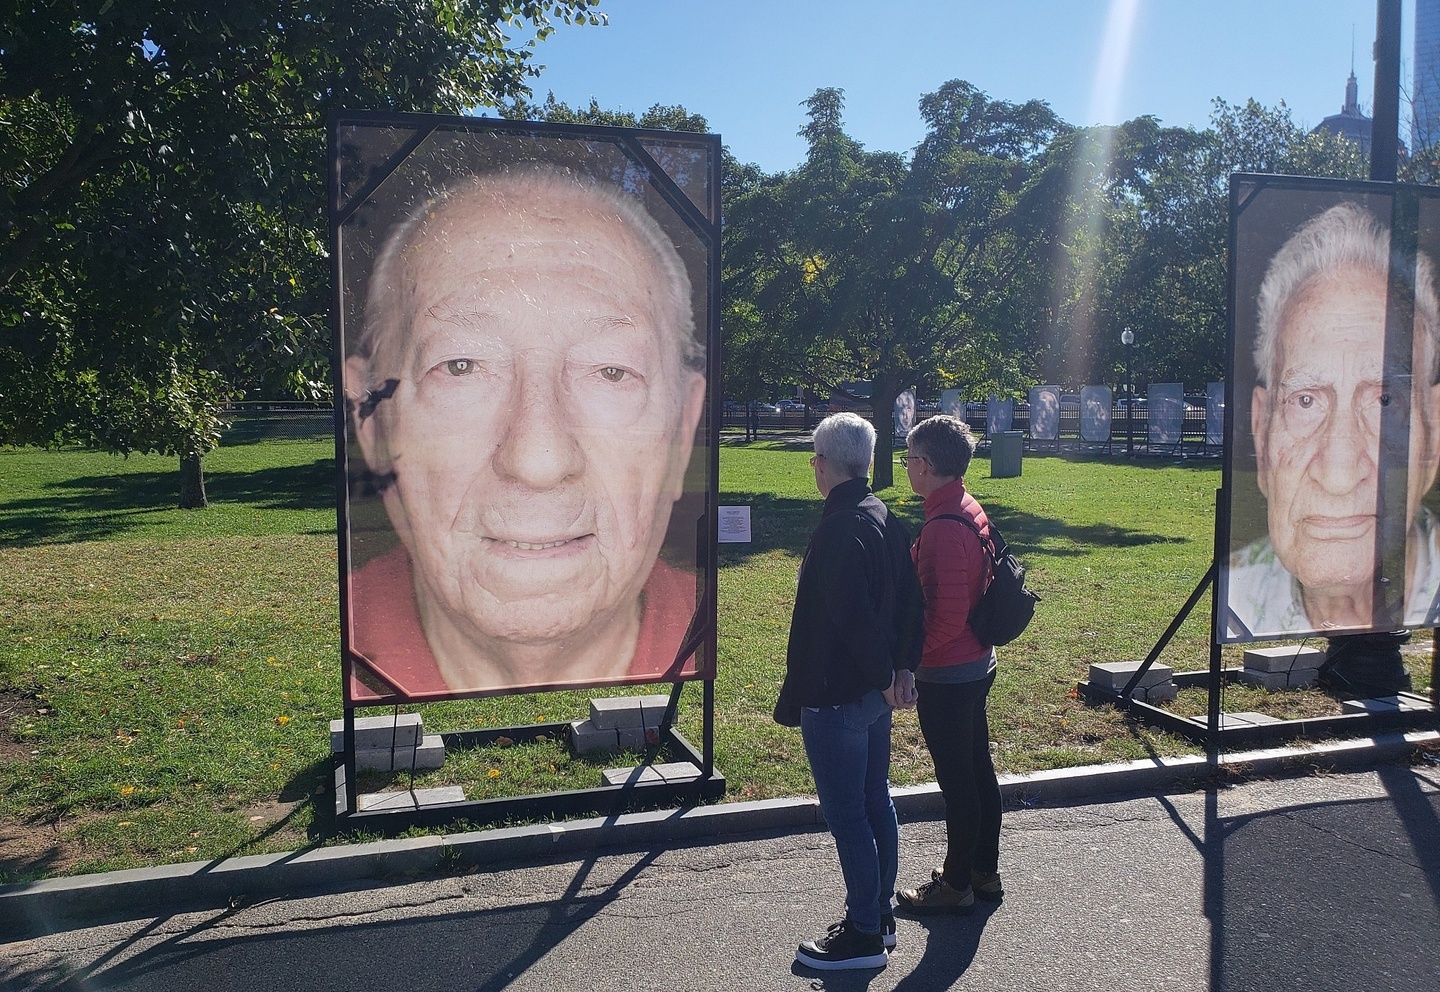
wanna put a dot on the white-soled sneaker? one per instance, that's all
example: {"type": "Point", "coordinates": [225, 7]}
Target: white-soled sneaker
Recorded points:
{"type": "Point", "coordinates": [843, 948]}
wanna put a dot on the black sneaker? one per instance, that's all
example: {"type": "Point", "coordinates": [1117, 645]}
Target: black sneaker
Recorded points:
{"type": "Point", "coordinates": [887, 930]}
{"type": "Point", "coordinates": [843, 948]}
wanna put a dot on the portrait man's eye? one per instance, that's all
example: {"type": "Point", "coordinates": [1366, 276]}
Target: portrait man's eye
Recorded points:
{"type": "Point", "coordinates": [460, 366]}
{"type": "Point", "coordinates": [611, 373]}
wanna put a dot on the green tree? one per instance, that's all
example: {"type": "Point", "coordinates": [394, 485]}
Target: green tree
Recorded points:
{"type": "Point", "coordinates": [862, 265]}
{"type": "Point", "coordinates": [162, 194]}
{"type": "Point", "coordinates": [1153, 256]}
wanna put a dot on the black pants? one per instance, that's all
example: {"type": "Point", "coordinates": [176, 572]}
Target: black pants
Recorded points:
{"type": "Point", "coordinates": [952, 718]}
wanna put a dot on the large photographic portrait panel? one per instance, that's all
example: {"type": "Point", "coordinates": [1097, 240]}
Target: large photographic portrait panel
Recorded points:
{"type": "Point", "coordinates": [1095, 412]}
{"type": "Point", "coordinates": [1334, 436]}
{"type": "Point", "coordinates": [525, 336]}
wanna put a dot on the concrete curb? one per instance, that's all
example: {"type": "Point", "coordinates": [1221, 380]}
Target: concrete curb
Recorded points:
{"type": "Point", "coordinates": [53, 905]}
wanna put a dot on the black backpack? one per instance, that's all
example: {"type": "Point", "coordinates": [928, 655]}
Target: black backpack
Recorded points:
{"type": "Point", "coordinates": [1006, 606]}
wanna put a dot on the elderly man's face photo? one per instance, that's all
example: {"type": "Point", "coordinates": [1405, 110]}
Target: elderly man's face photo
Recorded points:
{"type": "Point", "coordinates": [1338, 437]}
{"type": "Point", "coordinates": [539, 428]}
{"type": "Point", "coordinates": [1317, 429]}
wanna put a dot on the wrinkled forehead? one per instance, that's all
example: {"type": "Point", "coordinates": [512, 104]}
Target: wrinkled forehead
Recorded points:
{"type": "Point", "coordinates": [1335, 307]}
{"type": "Point", "coordinates": [541, 233]}
{"type": "Point", "coordinates": [498, 218]}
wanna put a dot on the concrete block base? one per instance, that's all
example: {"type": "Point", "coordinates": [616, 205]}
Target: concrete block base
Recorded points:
{"type": "Point", "coordinates": [672, 772]}
{"type": "Point", "coordinates": [370, 802]}
{"type": "Point", "coordinates": [388, 743]}
{"type": "Point", "coordinates": [1295, 678]}
{"type": "Point", "coordinates": [1404, 703]}
{"type": "Point", "coordinates": [1232, 720]}
{"type": "Point", "coordinates": [1117, 674]}
{"type": "Point", "coordinates": [1283, 659]}
{"type": "Point", "coordinates": [586, 738]}
{"type": "Point", "coordinates": [618, 724]}
{"type": "Point", "coordinates": [430, 754]}
{"type": "Point", "coordinates": [627, 711]}
{"type": "Point", "coordinates": [375, 732]}
{"type": "Point", "coordinates": [1161, 692]}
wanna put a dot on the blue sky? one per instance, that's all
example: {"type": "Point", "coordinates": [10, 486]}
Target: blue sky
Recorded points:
{"type": "Point", "coordinates": [747, 65]}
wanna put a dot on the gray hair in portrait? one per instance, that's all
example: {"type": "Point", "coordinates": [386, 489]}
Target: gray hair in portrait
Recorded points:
{"type": "Point", "coordinates": [1344, 237]}
{"type": "Point", "coordinates": [848, 440]}
{"type": "Point", "coordinates": [945, 442]}
{"type": "Point", "coordinates": [386, 309]}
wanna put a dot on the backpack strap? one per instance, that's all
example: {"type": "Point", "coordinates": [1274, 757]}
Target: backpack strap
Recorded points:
{"type": "Point", "coordinates": [996, 548]}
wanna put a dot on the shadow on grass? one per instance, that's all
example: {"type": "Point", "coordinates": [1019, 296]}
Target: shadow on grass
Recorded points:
{"type": "Point", "coordinates": [100, 507]}
{"type": "Point", "coordinates": [784, 524]}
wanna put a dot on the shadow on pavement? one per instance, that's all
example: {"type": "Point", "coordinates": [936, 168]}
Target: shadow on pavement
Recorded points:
{"type": "Point", "coordinates": [475, 952]}
{"type": "Point", "coordinates": [1334, 896]}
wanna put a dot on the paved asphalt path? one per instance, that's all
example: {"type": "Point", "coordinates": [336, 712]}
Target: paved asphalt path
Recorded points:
{"type": "Point", "coordinates": [1318, 883]}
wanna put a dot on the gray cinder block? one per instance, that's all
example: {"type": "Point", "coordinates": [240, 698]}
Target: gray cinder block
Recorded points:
{"type": "Point", "coordinates": [369, 801]}
{"type": "Point", "coordinates": [1378, 704]}
{"type": "Point", "coordinates": [430, 754]}
{"type": "Point", "coordinates": [1296, 678]}
{"type": "Point", "coordinates": [678, 771]}
{"type": "Point", "coordinates": [585, 737]}
{"type": "Point", "coordinates": [1256, 719]}
{"type": "Point", "coordinates": [1161, 692]}
{"type": "Point", "coordinates": [1283, 659]}
{"type": "Point", "coordinates": [673, 772]}
{"type": "Point", "coordinates": [632, 738]}
{"type": "Point", "coordinates": [616, 712]}
{"type": "Point", "coordinates": [642, 775]}
{"type": "Point", "coordinates": [654, 708]}
{"type": "Point", "coordinates": [1116, 674]}
{"type": "Point", "coordinates": [373, 732]}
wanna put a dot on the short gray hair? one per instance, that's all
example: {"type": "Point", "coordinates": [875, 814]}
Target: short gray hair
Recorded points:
{"type": "Point", "coordinates": [1344, 237]}
{"type": "Point", "coordinates": [385, 304]}
{"type": "Point", "coordinates": [848, 440]}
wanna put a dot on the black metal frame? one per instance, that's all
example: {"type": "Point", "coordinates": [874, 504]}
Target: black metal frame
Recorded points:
{"type": "Point", "coordinates": [605, 800]}
{"type": "Point", "coordinates": [1212, 731]}
{"type": "Point", "coordinates": [710, 784]}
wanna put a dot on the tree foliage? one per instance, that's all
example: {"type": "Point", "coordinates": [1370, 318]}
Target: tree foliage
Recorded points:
{"type": "Point", "coordinates": [863, 265]}
{"type": "Point", "coordinates": [162, 193]}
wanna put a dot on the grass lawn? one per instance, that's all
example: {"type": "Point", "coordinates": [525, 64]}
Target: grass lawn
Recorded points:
{"type": "Point", "coordinates": [167, 676]}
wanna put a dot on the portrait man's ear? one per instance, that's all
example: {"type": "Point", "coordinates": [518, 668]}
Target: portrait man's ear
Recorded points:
{"type": "Point", "coordinates": [691, 409]}
{"type": "Point", "coordinates": [1259, 418]}
{"type": "Point", "coordinates": [1431, 398]}
{"type": "Point", "coordinates": [364, 419]}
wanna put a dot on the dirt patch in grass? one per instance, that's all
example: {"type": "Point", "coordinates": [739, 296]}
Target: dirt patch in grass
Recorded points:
{"type": "Point", "coordinates": [37, 849]}
{"type": "Point", "coordinates": [15, 706]}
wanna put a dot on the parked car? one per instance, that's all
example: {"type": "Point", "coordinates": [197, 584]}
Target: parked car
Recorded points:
{"type": "Point", "coordinates": [790, 405]}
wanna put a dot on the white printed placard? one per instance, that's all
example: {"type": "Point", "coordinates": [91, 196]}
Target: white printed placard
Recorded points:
{"type": "Point", "coordinates": [734, 525]}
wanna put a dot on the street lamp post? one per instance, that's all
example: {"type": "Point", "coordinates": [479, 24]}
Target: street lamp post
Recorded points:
{"type": "Point", "coordinates": [1127, 338]}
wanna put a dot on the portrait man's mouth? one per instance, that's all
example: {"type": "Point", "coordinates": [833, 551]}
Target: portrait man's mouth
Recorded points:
{"type": "Point", "coordinates": [533, 548]}
{"type": "Point", "coordinates": [1327, 528]}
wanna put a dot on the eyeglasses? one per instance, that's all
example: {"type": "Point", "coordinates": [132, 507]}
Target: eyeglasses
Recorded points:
{"type": "Point", "coordinates": [905, 460]}
{"type": "Point", "coordinates": [814, 459]}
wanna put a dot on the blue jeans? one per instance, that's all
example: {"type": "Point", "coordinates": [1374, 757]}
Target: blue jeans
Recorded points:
{"type": "Point", "coordinates": [849, 751]}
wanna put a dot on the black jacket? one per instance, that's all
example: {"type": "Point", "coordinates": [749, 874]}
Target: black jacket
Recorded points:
{"type": "Point", "coordinates": [858, 609]}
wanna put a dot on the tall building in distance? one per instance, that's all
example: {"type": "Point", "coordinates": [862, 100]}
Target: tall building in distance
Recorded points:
{"type": "Point", "coordinates": [1350, 122]}
{"type": "Point", "coordinates": [1425, 88]}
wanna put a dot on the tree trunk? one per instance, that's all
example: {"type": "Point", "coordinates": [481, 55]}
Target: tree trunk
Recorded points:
{"type": "Point", "coordinates": [882, 412]}
{"type": "Point", "coordinates": [192, 483]}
